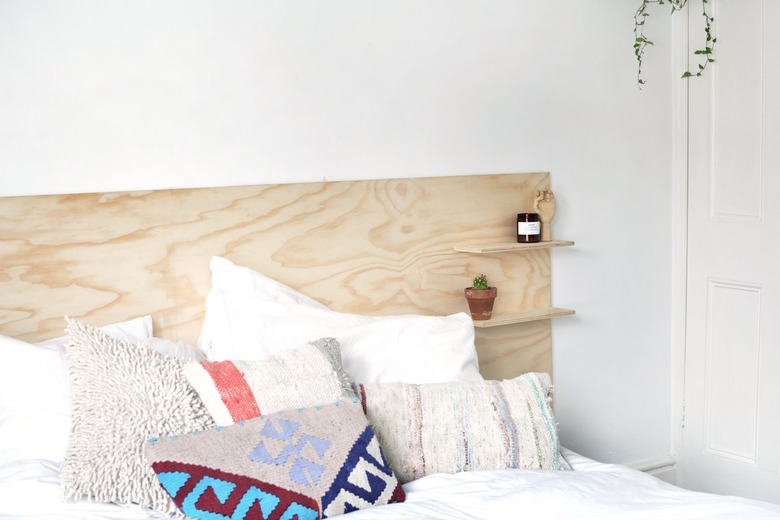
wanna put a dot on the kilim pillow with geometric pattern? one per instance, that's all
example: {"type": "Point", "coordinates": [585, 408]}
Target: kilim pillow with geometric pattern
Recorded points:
{"type": "Point", "coordinates": [311, 463]}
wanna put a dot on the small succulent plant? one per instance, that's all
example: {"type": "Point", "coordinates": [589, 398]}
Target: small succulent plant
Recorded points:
{"type": "Point", "coordinates": [480, 282]}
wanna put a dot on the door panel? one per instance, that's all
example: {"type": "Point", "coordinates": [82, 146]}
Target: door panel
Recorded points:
{"type": "Point", "coordinates": [731, 428]}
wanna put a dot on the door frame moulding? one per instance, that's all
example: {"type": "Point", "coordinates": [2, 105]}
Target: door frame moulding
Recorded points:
{"type": "Point", "coordinates": [679, 234]}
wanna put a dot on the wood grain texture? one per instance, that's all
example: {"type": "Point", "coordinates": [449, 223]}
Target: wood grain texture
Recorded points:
{"type": "Point", "coordinates": [507, 247]}
{"type": "Point", "coordinates": [371, 247]}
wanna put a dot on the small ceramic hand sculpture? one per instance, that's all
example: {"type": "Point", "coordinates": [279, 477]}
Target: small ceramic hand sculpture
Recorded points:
{"type": "Point", "coordinates": [544, 204]}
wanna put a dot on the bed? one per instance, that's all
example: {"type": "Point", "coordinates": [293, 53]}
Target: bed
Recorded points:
{"type": "Point", "coordinates": [324, 319]}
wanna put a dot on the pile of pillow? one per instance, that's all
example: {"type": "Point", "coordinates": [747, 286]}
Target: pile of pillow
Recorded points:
{"type": "Point", "coordinates": [249, 315]}
{"type": "Point", "coordinates": [296, 409]}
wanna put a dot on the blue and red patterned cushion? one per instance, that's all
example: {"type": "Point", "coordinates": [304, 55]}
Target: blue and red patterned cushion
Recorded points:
{"type": "Point", "coordinates": [308, 463]}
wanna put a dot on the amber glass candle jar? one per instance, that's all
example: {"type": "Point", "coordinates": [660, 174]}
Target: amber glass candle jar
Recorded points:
{"type": "Point", "coordinates": [529, 228]}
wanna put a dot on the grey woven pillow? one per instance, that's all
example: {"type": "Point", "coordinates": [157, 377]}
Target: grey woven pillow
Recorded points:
{"type": "Point", "coordinates": [464, 426]}
{"type": "Point", "coordinates": [122, 394]}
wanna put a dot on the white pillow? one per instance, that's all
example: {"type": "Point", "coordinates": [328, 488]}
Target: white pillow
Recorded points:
{"type": "Point", "coordinates": [34, 398]}
{"type": "Point", "coordinates": [250, 316]}
{"type": "Point", "coordinates": [177, 349]}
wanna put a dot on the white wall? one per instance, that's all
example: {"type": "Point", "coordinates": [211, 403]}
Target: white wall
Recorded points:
{"type": "Point", "coordinates": [108, 95]}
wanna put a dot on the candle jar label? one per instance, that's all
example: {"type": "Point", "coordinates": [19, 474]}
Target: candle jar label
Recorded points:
{"type": "Point", "coordinates": [529, 228]}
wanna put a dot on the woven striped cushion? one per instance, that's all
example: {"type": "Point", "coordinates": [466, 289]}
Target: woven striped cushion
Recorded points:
{"type": "Point", "coordinates": [464, 426]}
{"type": "Point", "coordinates": [235, 391]}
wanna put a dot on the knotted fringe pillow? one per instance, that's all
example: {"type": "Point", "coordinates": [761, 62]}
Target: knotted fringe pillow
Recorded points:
{"type": "Point", "coordinates": [122, 394]}
{"type": "Point", "coordinates": [238, 390]}
{"type": "Point", "coordinates": [464, 426]}
{"type": "Point", "coordinates": [307, 463]}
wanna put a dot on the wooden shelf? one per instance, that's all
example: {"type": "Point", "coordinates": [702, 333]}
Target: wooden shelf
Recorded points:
{"type": "Point", "coordinates": [497, 320]}
{"type": "Point", "coordinates": [544, 313]}
{"type": "Point", "coordinates": [505, 247]}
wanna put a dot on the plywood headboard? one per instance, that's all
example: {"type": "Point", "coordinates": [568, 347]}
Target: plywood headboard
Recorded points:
{"type": "Point", "coordinates": [372, 247]}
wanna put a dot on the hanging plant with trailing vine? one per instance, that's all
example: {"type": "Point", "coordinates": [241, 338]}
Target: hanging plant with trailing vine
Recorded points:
{"type": "Point", "coordinates": [641, 41]}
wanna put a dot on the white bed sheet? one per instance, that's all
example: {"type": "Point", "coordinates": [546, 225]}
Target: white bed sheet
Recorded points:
{"type": "Point", "coordinates": [31, 489]}
{"type": "Point", "coordinates": [592, 490]}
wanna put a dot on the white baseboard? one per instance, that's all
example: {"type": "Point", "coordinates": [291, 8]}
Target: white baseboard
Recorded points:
{"type": "Point", "coordinates": [664, 468]}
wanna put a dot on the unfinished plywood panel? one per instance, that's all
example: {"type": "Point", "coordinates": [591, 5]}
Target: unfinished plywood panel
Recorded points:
{"type": "Point", "coordinates": [372, 247]}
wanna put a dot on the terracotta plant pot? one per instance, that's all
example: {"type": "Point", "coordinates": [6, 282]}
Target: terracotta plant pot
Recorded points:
{"type": "Point", "coordinates": [481, 302]}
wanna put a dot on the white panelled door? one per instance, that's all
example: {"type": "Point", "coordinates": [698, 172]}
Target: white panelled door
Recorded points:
{"type": "Point", "coordinates": [731, 432]}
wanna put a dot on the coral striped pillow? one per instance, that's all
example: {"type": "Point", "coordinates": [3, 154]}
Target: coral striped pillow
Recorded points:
{"type": "Point", "coordinates": [235, 391]}
{"type": "Point", "coordinates": [464, 426]}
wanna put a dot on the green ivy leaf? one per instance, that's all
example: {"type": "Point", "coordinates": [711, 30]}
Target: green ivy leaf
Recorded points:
{"type": "Point", "coordinates": [706, 54]}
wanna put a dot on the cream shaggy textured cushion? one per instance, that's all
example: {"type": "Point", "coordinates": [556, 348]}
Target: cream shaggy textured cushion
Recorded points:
{"type": "Point", "coordinates": [122, 394]}
{"type": "Point", "coordinates": [235, 391]}
{"type": "Point", "coordinates": [454, 427]}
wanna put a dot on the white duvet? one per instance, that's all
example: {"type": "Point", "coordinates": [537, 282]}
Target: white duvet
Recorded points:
{"type": "Point", "coordinates": [592, 490]}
